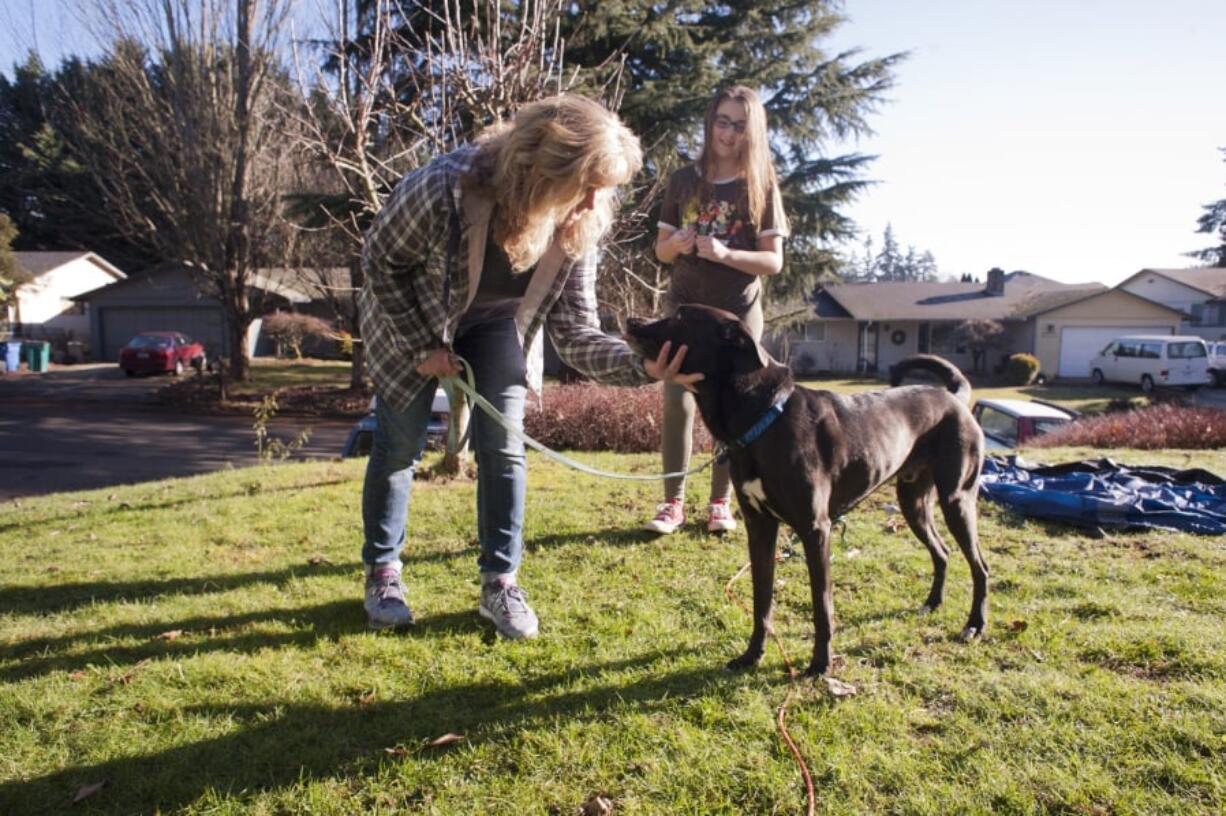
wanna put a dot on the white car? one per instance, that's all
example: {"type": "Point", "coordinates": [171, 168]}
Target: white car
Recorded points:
{"type": "Point", "coordinates": [1152, 360]}
{"type": "Point", "coordinates": [1217, 362]}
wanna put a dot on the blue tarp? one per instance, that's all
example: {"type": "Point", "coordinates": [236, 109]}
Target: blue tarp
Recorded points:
{"type": "Point", "coordinates": [1100, 493]}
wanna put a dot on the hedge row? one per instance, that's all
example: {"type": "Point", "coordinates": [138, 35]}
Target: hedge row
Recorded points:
{"type": "Point", "coordinates": [1153, 427]}
{"type": "Point", "coordinates": [591, 417]}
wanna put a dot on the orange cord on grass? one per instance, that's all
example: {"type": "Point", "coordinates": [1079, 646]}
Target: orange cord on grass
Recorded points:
{"type": "Point", "coordinates": [787, 700]}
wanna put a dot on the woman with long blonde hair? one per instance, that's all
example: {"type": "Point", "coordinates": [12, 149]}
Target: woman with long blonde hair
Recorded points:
{"type": "Point", "coordinates": [472, 255]}
{"type": "Point", "coordinates": [721, 227]}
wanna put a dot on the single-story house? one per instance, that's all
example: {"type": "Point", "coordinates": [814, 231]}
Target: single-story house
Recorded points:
{"type": "Point", "coordinates": [1199, 292]}
{"type": "Point", "coordinates": [45, 308]}
{"type": "Point", "coordinates": [868, 327]}
{"type": "Point", "coordinates": [168, 298]}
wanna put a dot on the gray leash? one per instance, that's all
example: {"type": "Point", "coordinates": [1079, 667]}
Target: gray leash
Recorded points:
{"type": "Point", "coordinates": [467, 386]}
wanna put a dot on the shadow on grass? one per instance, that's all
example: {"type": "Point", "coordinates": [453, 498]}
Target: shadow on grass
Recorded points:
{"type": "Point", "coordinates": [245, 490]}
{"type": "Point", "coordinates": [50, 597]}
{"type": "Point", "coordinates": [235, 634]}
{"type": "Point", "coordinates": [276, 745]}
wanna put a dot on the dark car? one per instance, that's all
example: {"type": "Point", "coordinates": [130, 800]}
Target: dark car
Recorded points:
{"type": "Point", "coordinates": [159, 352]}
{"type": "Point", "coordinates": [1008, 423]}
{"type": "Point", "coordinates": [363, 431]}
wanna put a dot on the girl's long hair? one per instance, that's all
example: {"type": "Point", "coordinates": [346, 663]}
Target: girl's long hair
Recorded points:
{"type": "Point", "coordinates": [759, 170]}
{"type": "Point", "coordinates": [539, 167]}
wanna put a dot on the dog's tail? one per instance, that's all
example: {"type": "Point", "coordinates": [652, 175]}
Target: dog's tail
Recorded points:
{"type": "Point", "coordinates": [942, 369]}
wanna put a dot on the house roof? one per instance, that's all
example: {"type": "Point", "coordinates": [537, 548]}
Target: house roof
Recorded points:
{"type": "Point", "coordinates": [1209, 279]}
{"type": "Point", "coordinates": [1024, 295]}
{"type": "Point", "coordinates": [40, 263]}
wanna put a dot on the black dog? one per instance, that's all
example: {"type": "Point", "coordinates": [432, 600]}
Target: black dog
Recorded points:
{"type": "Point", "coordinates": [807, 457]}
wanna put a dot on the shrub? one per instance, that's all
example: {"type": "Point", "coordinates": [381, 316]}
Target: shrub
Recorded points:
{"type": "Point", "coordinates": [590, 417]}
{"type": "Point", "coordinates": [1021, 369]}
{"type": "Point", "coordinates": [1157, 426]}
{"type": "Point", "coordinates": [291, 328]}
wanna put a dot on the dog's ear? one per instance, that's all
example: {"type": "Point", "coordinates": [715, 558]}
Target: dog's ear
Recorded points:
{"type": "Point", "coordinates": [735, 334]}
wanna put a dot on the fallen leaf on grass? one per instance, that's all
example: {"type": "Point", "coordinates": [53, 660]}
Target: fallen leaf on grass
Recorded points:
{"type": "Point", "coordinates": [596, 806]}
{"type": "Point", "coordinates": [446, 739]}
{"type": "Point", "coordinates": [172, 634]}
{"type": "Point", "coordinates": [87, 791]}
{"type": "Point", "coordinates": [317, 560]}
{"type": "Point", "coordinates": [838, 688]}
{"type": "Point", "coordinates": [77, 675]}
{"type": "Point", "coordinates": [852, 553]}
{"type": "Point", "coordinates": [1018, 626]}
{"type": "Point", "coordinates": [397, 751]}
{"type": "Point", "coordinates": [893, 524]}
{"type": "Point", "coordinates": [367, 698]}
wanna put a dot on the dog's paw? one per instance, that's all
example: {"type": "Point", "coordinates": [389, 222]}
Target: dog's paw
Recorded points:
{"type": "Point", "coordinates": [745, 661]}
{"type": "Point", "coordinates": [815, 671]}
{"type": "Point", "coordinates": [971, 633]}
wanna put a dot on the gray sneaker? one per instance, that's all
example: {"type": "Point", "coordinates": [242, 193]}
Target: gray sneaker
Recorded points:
{"type": "Point", "coordinates": [385, 606]}
{"type": "Point", "coordinates": [506, 605]}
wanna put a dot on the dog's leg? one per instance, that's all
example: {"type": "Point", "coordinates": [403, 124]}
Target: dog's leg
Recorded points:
{"type": "Point", "coordinates": [763, 533]}
{"type": "Point", "coordinates": [961, 518]}
{"type": "Point", "coordinates": [817, 555]}
{"type": "Point", "coordinates": [915, 499]}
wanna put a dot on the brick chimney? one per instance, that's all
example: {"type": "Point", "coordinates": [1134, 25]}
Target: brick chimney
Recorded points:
{"type": "Point", "coordinates": [996, 282]}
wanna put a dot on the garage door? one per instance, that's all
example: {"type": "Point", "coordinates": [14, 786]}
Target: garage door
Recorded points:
{"type": "Point", "coordinates": [121, 323]}
{"type": "Point", "coordinates": [1078, 344]}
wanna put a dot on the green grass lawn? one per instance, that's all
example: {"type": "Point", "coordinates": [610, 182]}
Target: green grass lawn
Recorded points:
{"type": "Point", "coordinates": [199, 646]}
{"type": "Point", "coordinates": [1078, 396]}
{"type": "Point", "coordinates": [269, 374]}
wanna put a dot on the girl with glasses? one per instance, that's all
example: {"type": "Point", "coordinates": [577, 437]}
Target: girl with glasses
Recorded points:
{"type": "Point", "coordinates": [722, 227]}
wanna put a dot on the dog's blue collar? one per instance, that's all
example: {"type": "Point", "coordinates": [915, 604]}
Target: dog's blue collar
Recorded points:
{"type": "Point", "coordinates": [759, 427]}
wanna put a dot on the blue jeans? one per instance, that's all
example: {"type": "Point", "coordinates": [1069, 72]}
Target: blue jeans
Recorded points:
{"type": "Point", "coordinates": [493, 351]}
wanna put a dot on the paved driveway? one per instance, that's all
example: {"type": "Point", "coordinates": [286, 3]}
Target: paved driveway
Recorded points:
{"type": "Point", "coordinates": [89, 426]}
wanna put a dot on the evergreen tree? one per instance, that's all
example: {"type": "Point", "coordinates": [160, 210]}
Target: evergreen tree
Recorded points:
{"type": "Point", "coordinates": [677, 53]}
{"type": "Point", "coordinates": [50, 197]}
{"type": "Point", "coordinates": [1213, 221]}
{"type": "Point", "coordinates": [889, 263]}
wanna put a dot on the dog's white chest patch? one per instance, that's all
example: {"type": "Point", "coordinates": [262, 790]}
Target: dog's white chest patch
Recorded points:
{"type": "Point", "coordinates": [756, 497]}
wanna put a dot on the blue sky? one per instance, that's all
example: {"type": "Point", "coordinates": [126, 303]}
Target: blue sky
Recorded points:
{"type": "Point", "coordinates": [1076, 139]}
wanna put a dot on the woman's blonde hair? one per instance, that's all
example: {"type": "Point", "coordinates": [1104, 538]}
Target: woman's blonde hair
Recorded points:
{"type": "Point", "coordinates": [540, 166]}
{"type": "Point", "coordinates": [760, 179]}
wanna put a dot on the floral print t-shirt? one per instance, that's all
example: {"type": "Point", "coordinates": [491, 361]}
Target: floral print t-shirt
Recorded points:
{"type": "Point", "coordinates": [723, 213]}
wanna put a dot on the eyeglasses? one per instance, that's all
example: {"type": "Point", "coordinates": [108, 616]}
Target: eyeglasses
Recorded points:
{"type": "Point", "coordinates": [723, 123]}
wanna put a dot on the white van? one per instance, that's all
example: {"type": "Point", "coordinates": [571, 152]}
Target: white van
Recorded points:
{"type": "Point", "coordinates": [1151, 360]}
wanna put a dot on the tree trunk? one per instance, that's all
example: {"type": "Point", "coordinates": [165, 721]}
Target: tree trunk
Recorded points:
{"type": "Point", "coordinates": [456, 459]}
{"type": "Point", "coordinates": [357, 369]}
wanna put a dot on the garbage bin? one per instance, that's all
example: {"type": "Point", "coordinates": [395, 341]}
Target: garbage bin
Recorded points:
{"type": "Point", "coordinates": [37, 354]}
{"type": "Point", "coordinates": [12, 356]}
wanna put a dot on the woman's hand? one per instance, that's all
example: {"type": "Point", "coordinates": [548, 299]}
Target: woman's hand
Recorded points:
{"type": "Point", "coordinates": [439, 364]}
{"type": "Point", "coordinates": [661, 368]}
{"type": "Point", "coordinates": [711, 248]}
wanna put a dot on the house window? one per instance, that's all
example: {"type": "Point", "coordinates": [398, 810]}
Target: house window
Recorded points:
{"type": "Point", "coordinates": [944, 339]}
{"type": "Point", "coordinates": [1198, 314]}
{"type": "Point", "coordinates": [815, 331]}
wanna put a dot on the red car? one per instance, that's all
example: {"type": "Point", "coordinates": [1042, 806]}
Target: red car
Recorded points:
{"type": "Point", "coordinates": [156, 352]}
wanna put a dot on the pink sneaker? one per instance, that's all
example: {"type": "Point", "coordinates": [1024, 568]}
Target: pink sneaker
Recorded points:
{"type": "Point", "coordinates": [669, 516]}
{"type": "Point", "coordinates": [719, 517]}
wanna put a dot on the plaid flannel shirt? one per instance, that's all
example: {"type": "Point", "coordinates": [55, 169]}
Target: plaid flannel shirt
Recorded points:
{"type": "Point", "coordinates": [416, 290]}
